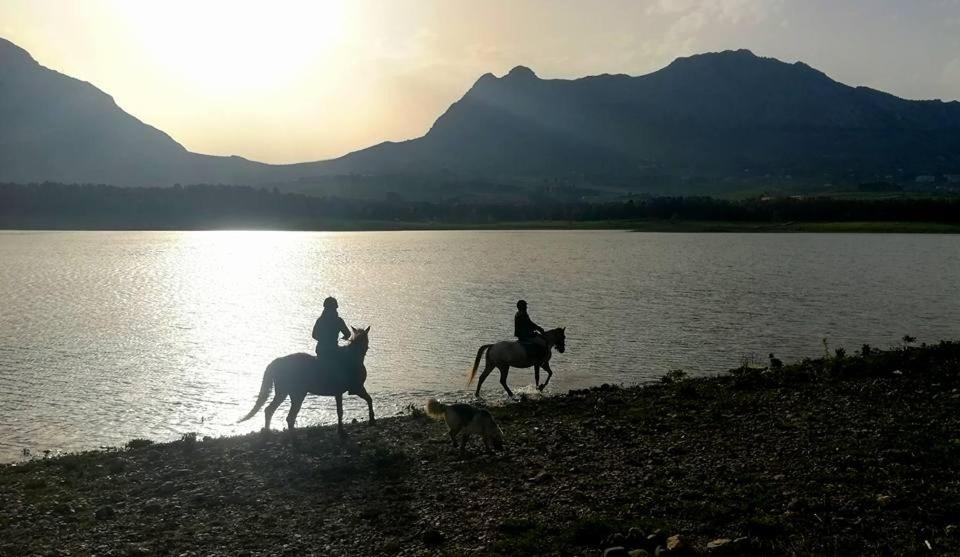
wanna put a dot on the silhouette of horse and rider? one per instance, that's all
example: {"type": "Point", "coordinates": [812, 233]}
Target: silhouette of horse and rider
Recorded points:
{"type": "Point", "coordinates": [533, 347]}
{"type": "Point", "coordinates": [336, 369]}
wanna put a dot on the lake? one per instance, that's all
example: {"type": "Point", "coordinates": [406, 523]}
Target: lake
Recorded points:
{"type": "Point", "coordinates": [109, 336]}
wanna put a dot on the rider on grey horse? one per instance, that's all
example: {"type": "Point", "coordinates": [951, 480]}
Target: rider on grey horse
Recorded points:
{"type": "Point", "coordinates": [326, 328]}
{"type": "Point", "coordinates": [528, 332]}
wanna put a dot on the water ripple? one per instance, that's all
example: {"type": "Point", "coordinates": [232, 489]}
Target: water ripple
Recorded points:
{"type": "Point", "coordinates": [107, 336]}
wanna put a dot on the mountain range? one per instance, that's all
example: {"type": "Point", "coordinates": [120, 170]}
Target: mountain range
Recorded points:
{"type": "Point", "coordinates": [713, 116]}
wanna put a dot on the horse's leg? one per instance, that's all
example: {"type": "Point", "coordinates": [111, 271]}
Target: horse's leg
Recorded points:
{"type": "Point", "coordinates": [536, 375]}
{"type": "Point", "coordinates": [546, 367]}
{"type": "Point", "coordinates": [486, 371]}
{"type": "Point", "coordinates": [339, 398]}
{"type": "Point", "coordinates": [463, 441]}
{"type": "Point", "coordinates": [296, 400]}
{"type": "Point", "coordinates": [362, 393]}
{"type": "Point", "coordinates": [504, 371]}
{"type": "Point", "coordinates": [278, 399]}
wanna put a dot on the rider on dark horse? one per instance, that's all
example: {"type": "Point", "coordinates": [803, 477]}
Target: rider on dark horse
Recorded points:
{"type": "Point", "coordinates": [528, 332]}
{"type": "Point", "coordinates": [325, 333]}
{"type": "Point", "coordinates": [326, 328]}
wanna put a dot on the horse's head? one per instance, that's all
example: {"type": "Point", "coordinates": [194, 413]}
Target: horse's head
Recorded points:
{"type": "Point", "coordinates": [360, 339]}
{"type": "Point", "coordinates": [557, 338]}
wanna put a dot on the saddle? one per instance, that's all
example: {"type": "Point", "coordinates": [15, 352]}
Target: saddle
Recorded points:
{"type": "Point", "coordinates": [535, 347]}
{"type": "Point", "coordinates": [333, 367]}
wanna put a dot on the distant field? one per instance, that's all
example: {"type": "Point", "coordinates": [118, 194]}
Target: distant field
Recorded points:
{"type": "Point", "coordinates": [669, 226]}
{"type": "Point", "coordinates": [632, 225]}
{"type": "Point", "coordinates": [873, 227]}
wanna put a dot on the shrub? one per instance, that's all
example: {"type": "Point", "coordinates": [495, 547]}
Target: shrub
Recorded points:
{"type": "Point", "coordinates": [189, 441]}
{"type": "Point", "coordinates": [134, 444]}
{"type": "Point", "coordinates": [415, 411]}
{"type": "Point", "coordinates": [673, 376]}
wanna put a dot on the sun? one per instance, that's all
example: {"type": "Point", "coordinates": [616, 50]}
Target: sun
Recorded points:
{"type": "Point", "coordinates": [230, 47]}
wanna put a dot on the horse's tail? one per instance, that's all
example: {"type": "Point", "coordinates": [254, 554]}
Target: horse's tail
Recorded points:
{"type": "Point", "coordinates": [436, 409]}
{"type": "Point", "coordinates": [265, 386]}
{"type": "Point", "coordinates": [476, 362]}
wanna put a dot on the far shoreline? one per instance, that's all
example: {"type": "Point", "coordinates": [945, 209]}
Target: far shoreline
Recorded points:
{"type": "Point", "coordinates": [681, 226]}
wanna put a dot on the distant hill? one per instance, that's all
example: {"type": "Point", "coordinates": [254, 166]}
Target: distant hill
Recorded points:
{"type": "Point", "coordinates": [713, 116]}
{"type": "Point", "coordinates": [58, 128]}
{"type": "Point", "coordinates": [710, 114]}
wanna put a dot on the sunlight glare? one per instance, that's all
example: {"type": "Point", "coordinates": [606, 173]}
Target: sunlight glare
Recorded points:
{"type": "Point", "coordinates": [221, 46]}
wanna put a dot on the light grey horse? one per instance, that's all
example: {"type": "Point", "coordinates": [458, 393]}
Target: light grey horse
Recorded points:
{"type": "Point", "coordinates": [508, 353]}
{"type": "Point", "coordinates": [298, 374]}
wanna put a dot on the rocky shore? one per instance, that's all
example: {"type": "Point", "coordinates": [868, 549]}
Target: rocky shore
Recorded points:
{"type": "Point", "coordinates": [843, 455]}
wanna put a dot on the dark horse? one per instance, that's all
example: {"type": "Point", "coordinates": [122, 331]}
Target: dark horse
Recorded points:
{"type": "Point", "coordinates": [298, 374]}
{"type": "Point", "coordinates": [507, 353]}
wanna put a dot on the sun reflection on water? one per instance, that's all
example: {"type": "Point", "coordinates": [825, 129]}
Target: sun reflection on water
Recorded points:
{"type": "Point", "coordinates": [233, 313]}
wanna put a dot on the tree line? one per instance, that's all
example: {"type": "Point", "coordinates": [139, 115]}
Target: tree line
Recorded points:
{"type": "Point", "coordinates": [61, 206]}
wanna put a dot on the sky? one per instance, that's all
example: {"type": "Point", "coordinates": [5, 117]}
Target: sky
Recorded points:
{"type": "Point", "coordinates": [291, 81]}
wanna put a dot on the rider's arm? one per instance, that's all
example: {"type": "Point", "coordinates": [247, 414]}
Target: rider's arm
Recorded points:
{"type": "Point", "coordinates": [316, 330]}
{"type": "Point", "coordinates": [533, 325]}
{"type": "Point", "coordinates": [345, 330]}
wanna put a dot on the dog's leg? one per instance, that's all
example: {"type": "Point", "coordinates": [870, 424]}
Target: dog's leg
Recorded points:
{"type": "Point", "coordinates": [455, 430]}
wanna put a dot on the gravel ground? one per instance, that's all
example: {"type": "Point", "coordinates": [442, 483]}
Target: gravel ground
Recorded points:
{"type": "Point", "coordinates": [844, 455]}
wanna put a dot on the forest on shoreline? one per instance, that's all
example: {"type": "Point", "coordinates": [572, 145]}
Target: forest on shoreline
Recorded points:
{"type": "Point", "coordinates": [200, 207]}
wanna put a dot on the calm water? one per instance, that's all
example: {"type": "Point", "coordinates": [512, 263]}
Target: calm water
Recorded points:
{"type": "Point", "coordinates": [107, 336]}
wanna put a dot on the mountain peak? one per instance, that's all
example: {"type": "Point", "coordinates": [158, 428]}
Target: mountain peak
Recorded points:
{"type": "Point", "coordinates": [744, 65]}
{"type": "Point", "coordinates": [520, 72]}
{"type": "Point", "coordinates": [739, 55]}
{"type": "Point", "coordinates": [10, 52]}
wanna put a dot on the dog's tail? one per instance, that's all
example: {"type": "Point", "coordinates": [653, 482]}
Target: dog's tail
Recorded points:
{"type": "Point", "coordinates": [476, 362]}
{"type": "Point", "coordinates": [436, 409]}
{"type": "Point", "coordinates": [265, 387]}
